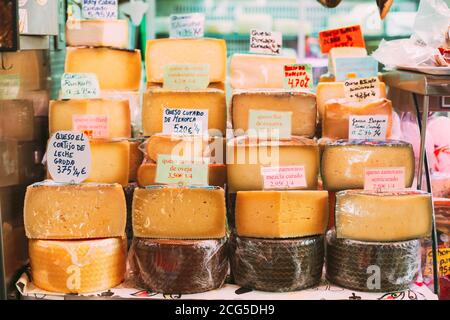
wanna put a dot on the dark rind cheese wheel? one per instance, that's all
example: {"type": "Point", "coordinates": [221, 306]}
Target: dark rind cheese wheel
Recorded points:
{"type": "Point", "coordinates": [178, 266]}
{"type": "Point", "coordinates": [277, 265]}
{"type": "Point", "coordinates": [357, 264]}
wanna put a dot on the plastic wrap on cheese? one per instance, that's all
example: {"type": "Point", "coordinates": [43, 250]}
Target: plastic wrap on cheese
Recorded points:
{"type": "Point", "coordinates": [177, 266]}
{"type": "Point", "coordinates": [344, 161]}
{"type": "Point", "coordinates": [277, 265]}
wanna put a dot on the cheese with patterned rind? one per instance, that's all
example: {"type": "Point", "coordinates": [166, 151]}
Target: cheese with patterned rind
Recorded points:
{"type": "Point", "coordinates": [97, 33]}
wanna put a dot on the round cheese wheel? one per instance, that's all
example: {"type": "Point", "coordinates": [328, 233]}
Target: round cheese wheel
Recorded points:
{"type": "Point", "coordinates": [277, 265]}
{"type": "Point", "coordinates": [371, 266]}
{"type": "Point", "coordinates": [178, 266]}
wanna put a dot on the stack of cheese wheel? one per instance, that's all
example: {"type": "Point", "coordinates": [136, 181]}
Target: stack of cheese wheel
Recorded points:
{"type": "Point", "coordinates": [179, 244]}
{"type": "Point", "coordinates": [277, 242]}
{"type": "Point", "coordinates": [76, 236]}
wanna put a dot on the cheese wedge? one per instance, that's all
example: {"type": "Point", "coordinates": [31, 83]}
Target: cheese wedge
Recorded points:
{"type": "Point", "coordinates": [335, 123]}
{"type": "Point", "coordinates": [343, 52]}
{"type": "Point", "coordinates": [17, 120]}
{"type": "Point", "coordinates": [115, 69]}
{"type": "Point", "coordinates": [77, 266]}
{"type": "Point", "coordinates": [389, 216]}
{"type": "Point", "coordinates": [146, 175]}
{"type": "Point", "coordinates": [102, 119]}
{"type": "Point", "coordinates": [246, 157]}
{"type": "Point", "coordinates": [301, 105]}
{"type": "Point", "coordinates": [156, 99]}
{"type": "Point", "coordinates": [74, 211]}
{"type": "Point", "coordinates": [97, 33]}
{"type": "Point", "coordinates": [281, 214]}
{"type": "Point", "coordinates": [250, 71]}
{"type": "Point", "coordinates": [186, 146]}
{"type": "Point", "coordinates": [327, 90]}
{"type": "Point", "coordinates": [344, 162]}
{"type": "Point", "coordinates": [179, 213]}
{"type": "Point", "coordinates": [163, 52]}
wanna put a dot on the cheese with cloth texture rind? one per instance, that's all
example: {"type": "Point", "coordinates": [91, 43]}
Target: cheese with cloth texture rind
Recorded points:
{"type": "Point", "coordinates": [77, 266]}
{"type": "Point", "coordinates": [281, 214]}
{"type": "Point", "coordinates": [97, 33]}
{"type": "Point", "coordinates": [63, 114]}
{"type": "Point", "coordinates": [383, 216]}
{"type": "Point", "coordinates": [156, 99]}
{"type": "Point", "coordinates": [335, 90]}
{"type": "Point", "coordinates": [179, 212]}
{"type": "Point", "coordinates": [246, 156]}
{"type": "Point", "coordinates": [17, 120]}
{"type": "Point", "coordinates": [74, 211]}
{"type": "Point", "coordinates": [344, 161]}
{"type": "Point", "coordinates": [302, 105]}
{"type": "Point", "coordinates": [335, 122]}
{"type": "Point", "coordinates": [250, 71]}
{"type": "Point", "coordinates": [186, 146]}
{"type": "Point", "coordinates": [116, 69]}
{"type": "Point", "coordinates": [163, 52]}
{"type": "Point", "coordinates": [146, 175]}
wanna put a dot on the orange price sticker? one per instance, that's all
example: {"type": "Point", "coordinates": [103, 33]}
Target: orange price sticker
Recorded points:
{"type": "Point", "coordinates": [343, 37]}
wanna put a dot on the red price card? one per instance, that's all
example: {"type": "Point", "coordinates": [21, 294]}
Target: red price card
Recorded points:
{"type": "Point", "coordinates": [343, 37]}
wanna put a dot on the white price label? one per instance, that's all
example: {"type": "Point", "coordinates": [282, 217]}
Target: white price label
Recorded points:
{"type": "Point", "coordinates": [368, 127]}
{"type": "Point", "coordinates": [185, 121]}
{"type": "Point", "coordinates": [362, 89]}
{"type": "Point", "coordinates": [265, 42]}
{"type": "Point", "coordinates": [191, 25]}
{"type": "Point", "coordinates": [286, 177]}
{"type": "Point", "coordinates": [79, 86]}
{"type": "Point", "coordinates": [99, 9]}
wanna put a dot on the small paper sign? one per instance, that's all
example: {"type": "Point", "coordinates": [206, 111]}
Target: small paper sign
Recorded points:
{"type": "Point", "coordinates": [269, 123]}
{"type": "Point", "coordinates": [298, 76]}
{"type": "Point", "coordinates": [185, 121]}
{"type": "Point", "coordinates": [358, 67]}
{"type": "Point", "coordinates": [69, 157]}
{"type": "Point", "coordinates": [99, 9]}
{"type": "Point", "coordinates": [342, 37]}
{"type": "Point", "coordinates": [443, 261]}
{"type": "Point", "coordinates": [283, 177]}
{"type": "Point", "coordinates": [384, 179]}
{"type": "Point", "coordinates": [92, 125]}
{"type": "Point", "coordinates": [178, 170]}
{"type": "Point", "coordinates": [368, 127]}
{"type": "Point", "coordinates": [186, 76]}
{"type": "Point", "coordinates": [265, 42]}
{"type": "Point", "coordinates": [9, 86]}
{"type": "Point", "coordinates": [362, 89]}
{"type": "Point", "coordinates": [191, 25]}
{"type": "Point", "coordinates": [79, 86]}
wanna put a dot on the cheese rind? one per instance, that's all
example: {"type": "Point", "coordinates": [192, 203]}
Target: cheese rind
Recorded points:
{"type": "Point", "coordinates": [146, 175]}
{"type": "Point", "coordinates": [97, 33]}
{"type": "Point", "coordinates": [335, 123]}
{"type": "Point", "coordinates": [335, 90]}
{"type": "Point", "coordinates": [344, 161]}
{"type": "Point", "coordinates": [156, 99]}
{"type": "Point", "coordinates": [246, 156]}
{"type": "Point", "coordinates": [63, 114]}
{"type": "Point", "coordinates": [179, 213]}
{"type": "Point", "coordinates": [250, 71]}
{"type": "Point", "coordinates": [17, 120]}
{"type": "Point", "coordinates": [74, 211]}
{"type": "Point", "coordinates": [116, 69]}
{"type": "Point", "coordinates": [281, 214]}
{"type": "Point", "coordinates": [387, 216]}
{"type": "Point", "coordinates": [302, 106]}
{"type": "Point", "coordinates": [162, 52]}
{"type": "Point", "coordinates": [77, 266]}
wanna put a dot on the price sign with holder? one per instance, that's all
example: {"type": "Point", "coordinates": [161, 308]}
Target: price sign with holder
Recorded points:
{"type": "Point", "coordinates": [172, 169]}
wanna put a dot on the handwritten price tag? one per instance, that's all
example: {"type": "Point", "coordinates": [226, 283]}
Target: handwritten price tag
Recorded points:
{"type": "Point", "coordinates": [368, 127]}
{"type": "Point", "coordinates": [298, 76]}
{"type": "Point", "coordinates": [178, 170]}
{"type": "Point", "coordinates": [443, 260]}
{"type": "Point", "coordinates": [185, 121]}
{"type": "Point", "coordinates": [69, 157]}
{"type": "Point", "coordinates": [384, 179]}
{"type": "Point", "coordinates": [270, 124]}
{"type": "Point", "coordinates": [283, 177]}
{"type": "Point", "coordinates": [343, 37]}
{"type": "Point", "coordinates": [357, 67]}
{"type": "Point", "coordinates": [9, 86]}
{"type": "Point", "coordinates": [92, 125]}
{"type": "Point", "coordinates": [363, 89]}
{"type": "Point", "coordinates": [186, 76]}
{"type": "Point", "coordinates": [99, 9]}
{"type": "Point", "coordinates": [265, 42]}
{"type": "Point", "coordinates": [190, 25]}
{"type": "Point", "coordinates": [79, 86]}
